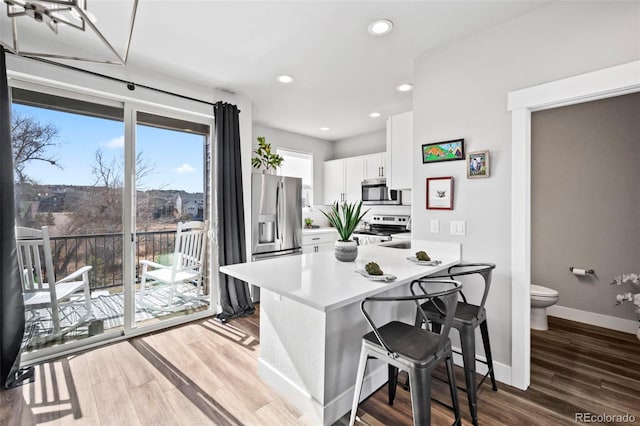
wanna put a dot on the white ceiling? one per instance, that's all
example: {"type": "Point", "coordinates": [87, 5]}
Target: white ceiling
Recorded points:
{"type": "Point", "coordinates": [341, 72]}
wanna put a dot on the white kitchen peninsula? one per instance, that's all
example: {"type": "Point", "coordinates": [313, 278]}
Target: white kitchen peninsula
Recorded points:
{"type": "Point", "coordinates": [311, 325]}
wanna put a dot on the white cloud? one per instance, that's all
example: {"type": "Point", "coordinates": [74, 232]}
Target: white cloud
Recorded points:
{"type": "Point", "coordinates": [185, 168]}
{"type": "Point", "coordinates": [114, 143]}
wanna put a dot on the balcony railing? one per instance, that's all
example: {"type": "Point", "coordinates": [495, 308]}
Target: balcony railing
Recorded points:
{"type": "Point", "coordinates": [104, 253]}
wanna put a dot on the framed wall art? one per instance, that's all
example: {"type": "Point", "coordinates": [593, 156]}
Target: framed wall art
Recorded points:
{"type": "Point", "coordinates": [440, 193]}
{"type": "Point", "coordinates": [443, 151]}
{"type": "Point", "coordinates": [478, 164]}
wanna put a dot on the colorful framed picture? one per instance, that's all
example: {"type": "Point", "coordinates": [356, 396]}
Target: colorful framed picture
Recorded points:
{"type": "Point", "coordinates": [443, 151]}
{"type": "Point", "coordinates": [478, 164]}
{"type": "Point", "coordinates": [440, 193]}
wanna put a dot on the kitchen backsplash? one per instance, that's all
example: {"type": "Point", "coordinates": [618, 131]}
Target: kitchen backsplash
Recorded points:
{"type": "Point", "coordinates": [315, 213]}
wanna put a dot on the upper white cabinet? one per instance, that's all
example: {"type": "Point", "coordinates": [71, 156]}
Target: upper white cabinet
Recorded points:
{"type": "Point", "coordinates": [353, 177]}
{"type": "Point", "coordinates": [333, 181]}
{"type": "Point", "coordinates": [343, 179]}
{"type": "Point", "coordinates": [400, 150]}
{"type": "Point", "coordinates": [375, 166]}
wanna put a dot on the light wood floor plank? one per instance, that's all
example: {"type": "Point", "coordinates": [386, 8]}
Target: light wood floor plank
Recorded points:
{"type": "Point", "coordinates": [150, 396]}
{"type": "Point", "coordinates": [115, 407]}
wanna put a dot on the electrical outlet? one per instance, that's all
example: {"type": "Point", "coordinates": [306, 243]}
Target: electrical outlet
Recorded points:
{"type": "Point", "coordinates": [457, 227]}
{"type": "Point", "coordinates": [435, 226]}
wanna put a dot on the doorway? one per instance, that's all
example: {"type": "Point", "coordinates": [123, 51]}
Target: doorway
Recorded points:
{"type": "Point", "coordinates": [619, 80]}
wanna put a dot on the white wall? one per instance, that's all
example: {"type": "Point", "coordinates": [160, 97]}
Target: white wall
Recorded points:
{"type": "Point", "coordinates": [366, 143]}
{"type": "Point", "coordinates": [321, 149]}
{"type": "Point", "coordinates": [461, 92]}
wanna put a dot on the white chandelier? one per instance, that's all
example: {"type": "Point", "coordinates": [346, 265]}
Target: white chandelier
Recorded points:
{"type": "Point", "coordinates": [55, 13]}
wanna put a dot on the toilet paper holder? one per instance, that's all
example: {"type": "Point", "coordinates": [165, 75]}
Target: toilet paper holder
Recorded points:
{"type": "Point", "coordinates": [586, 271]}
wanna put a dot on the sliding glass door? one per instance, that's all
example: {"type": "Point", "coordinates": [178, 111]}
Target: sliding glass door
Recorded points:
{"type": "Point", "coordinates": [103, 192]}
{"type": "Point", "coordinates": [68, 167]}
{"type": "Point", "coordinates": [170, 172]}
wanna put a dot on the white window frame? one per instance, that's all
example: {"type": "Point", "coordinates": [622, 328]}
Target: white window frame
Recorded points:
{"type": "Point", "coordinates": [304, 155]}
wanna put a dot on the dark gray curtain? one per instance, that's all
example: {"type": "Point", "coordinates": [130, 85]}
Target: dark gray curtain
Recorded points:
{"type": "Point", "coordinates": [234, 294]}
{"type": "Point", "coordinates": [11, 302]}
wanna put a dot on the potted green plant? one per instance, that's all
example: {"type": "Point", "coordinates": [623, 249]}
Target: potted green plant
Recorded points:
{"type": "Point", "coordinates": [308, 222]}
{"type": "Point", "coordinates": [264, 157]}
{"type": "Point", "coordinates": [345, 218]}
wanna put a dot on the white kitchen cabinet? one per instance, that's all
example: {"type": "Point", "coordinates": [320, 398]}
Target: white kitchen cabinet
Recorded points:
{"type": "Point", "coordinates": [400, 151]}
{"type": "Point", "coordinates": [319, 241]}
{"type": "Point", "coordinates": [353, 177]}
{"type": "Point", "coordinates": [333, 181]}
{"type": "Point", "coordinates": [342, 180]}
{"type": "Point", "coordinates": [375, 166]}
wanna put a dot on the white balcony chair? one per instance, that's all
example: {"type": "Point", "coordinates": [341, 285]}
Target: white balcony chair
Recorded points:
{"type": "Point", "coordinates": [40, 288]}
{"type": "Point", "coordinates": [187, 264]}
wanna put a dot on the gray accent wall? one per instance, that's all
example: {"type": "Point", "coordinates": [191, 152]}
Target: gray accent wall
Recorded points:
{"type": "Point", "coordinates": [322, 150]}
{"type": "Point", "coordinates": [585, 183]}
{"type": "Point", "coordinates": [366, 143]}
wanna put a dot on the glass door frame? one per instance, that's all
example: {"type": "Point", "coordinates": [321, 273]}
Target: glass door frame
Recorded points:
{"type": "Point", "coordinates": [131, 107]}
{"type": "Point", "coordinates": [129, 217]}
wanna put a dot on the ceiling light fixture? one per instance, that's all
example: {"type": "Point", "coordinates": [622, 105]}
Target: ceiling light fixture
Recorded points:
{"type": "Point", "coordinates": [405, 87]}
{"type": "Point", "coordinates": [55, 13]}
{"type": "Point", "coordinates": [325, 129]}
{"type": "Point", "coordinates": [374, 115]}
{"type": "Point", "coordinates": [380, 27]}
{"type": "Point", "coordinates": [285, 78]}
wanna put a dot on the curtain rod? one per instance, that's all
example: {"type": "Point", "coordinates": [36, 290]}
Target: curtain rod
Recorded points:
{"type": "Point", "coordinates": [130, 85]}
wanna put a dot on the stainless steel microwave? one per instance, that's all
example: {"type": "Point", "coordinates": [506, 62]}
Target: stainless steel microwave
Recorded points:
{"type": "Point", "coordinates": [375, 191]}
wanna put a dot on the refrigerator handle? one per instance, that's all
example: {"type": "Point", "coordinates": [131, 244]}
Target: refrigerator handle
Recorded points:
{"type": "Point", "coordinates": [278, 211]}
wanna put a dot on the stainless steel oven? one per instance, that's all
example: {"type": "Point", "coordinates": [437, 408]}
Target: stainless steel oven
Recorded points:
{"type": "Point", "coordinates": [375, 191]}
{"type": "Point", "coordinates": [381, 228]}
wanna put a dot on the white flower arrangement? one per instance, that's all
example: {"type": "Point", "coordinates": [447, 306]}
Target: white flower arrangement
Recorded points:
{"type": "Point", "coordinates": [632, 296]}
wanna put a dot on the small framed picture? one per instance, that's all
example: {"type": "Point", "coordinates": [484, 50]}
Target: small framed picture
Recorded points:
{"type": "Point", "coordinates": [443, 151]}
{"type": "Point", "coordinates": [440, 193]}
{"type": "Point", "coordinates": [478, 164]}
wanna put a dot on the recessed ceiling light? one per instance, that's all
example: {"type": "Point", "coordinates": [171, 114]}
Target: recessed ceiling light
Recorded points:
{"type": "Point", "coordinates": [380, 27]}
{"type": "Point", "coordinates": [405, 87]}
{"type": "Point", "coordinates": [325, 129]}
{"type": "Point", "coordinates": [285, 78]}
{"type": "Point", "coordinates": [374, 115]}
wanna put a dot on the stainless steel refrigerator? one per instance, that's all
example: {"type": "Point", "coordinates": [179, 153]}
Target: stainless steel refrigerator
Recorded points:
{"type": "Point", "coordinates": [276, 216]}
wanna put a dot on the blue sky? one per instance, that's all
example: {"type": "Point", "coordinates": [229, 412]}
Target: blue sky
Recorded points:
{"type": "Point", "coordinates": [177, 156]}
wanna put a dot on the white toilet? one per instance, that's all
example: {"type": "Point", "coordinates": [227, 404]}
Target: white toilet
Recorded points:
{"type": "Point", "coordinates": [541, 299]}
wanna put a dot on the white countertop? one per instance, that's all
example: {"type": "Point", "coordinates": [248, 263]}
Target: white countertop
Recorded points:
{"type": "Point", "coordinates": [322, 230]}
{"type": "Point", "coordinates": [320, 281]}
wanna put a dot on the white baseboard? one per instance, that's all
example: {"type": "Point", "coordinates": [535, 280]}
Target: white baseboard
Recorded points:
{"type": "Point", "coordinates": [501, 371]}
{"type": "Point", "coordinates": [303, 401]}
{"type": "Point", "coordinates": [606, 321]}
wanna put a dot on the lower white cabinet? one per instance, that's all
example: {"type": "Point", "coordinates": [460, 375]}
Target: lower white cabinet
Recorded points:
{"type": "Point", "coordinates": [319, 241]}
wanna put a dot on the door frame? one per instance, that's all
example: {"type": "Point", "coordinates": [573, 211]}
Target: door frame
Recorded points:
{"type": "Point", "coordinates": [606, 83]}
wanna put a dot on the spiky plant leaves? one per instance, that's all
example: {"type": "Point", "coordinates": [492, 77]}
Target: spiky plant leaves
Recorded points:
{"type": "Point", "coordinates": [345, 218]}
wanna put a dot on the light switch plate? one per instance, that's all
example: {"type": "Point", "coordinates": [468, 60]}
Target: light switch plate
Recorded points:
{"type": "Point", "coordinates": [457, 227]}
{"type": "Point", "coordinates": [435, 226]}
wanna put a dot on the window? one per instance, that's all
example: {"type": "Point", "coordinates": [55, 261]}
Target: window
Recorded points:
{"type": "Point", "coordinates": [299, 164]}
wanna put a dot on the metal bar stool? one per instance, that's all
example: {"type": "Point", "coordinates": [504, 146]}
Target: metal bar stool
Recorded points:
{"type": "Point", "coordinates": [467, 318]}
{"type": "Point", "coordinates": [412, 348]}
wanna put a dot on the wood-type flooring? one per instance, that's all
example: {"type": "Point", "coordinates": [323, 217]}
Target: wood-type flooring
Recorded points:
{"type": "Point", "coordinates": [204, 373]}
